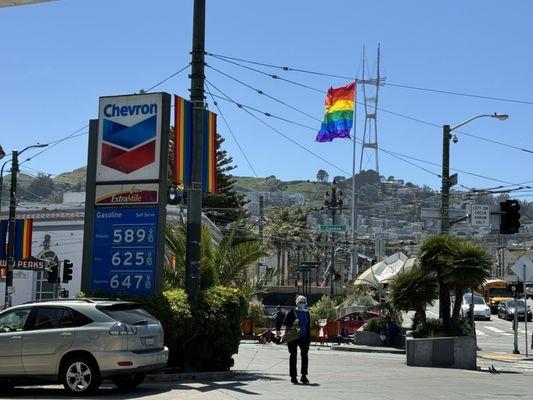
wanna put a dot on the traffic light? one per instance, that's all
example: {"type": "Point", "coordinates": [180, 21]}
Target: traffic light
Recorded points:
{"type": "Point", "coordinates": [67, 271]}
{"type": "Point", "coordinates": [53, 274]}
{"type": "Point", "coordinates": [510, 217]}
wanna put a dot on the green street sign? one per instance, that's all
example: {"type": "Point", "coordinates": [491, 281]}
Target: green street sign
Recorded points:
{"type": "Point", "coordinates": [333, 228]}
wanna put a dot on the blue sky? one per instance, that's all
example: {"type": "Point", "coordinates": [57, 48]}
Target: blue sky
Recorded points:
{"type": "Point", "coordinates": [59, 57]}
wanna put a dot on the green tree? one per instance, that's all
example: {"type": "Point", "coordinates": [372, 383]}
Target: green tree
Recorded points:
{"type": "Point", "coordinates": [322, 176]}
{"type": "Point", "coordinates": [413, 291]}
{"type": "Point", "coordinates": [471, 267]}
{"type": "Point", "coordinates": [226, 205]}
{"type": "Point", "coordinates": [40, 187]}
{"type": "Point", "coordinates": [226, 263]}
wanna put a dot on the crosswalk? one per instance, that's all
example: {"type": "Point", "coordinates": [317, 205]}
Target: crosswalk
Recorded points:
{"type": "Point", "coordinates": [492, 331]}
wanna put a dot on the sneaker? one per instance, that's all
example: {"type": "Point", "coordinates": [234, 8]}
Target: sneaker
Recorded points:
{"type": "Point", "coordinates": [294, 380]}
{"type": "Point", "coordinates": [304, 379]}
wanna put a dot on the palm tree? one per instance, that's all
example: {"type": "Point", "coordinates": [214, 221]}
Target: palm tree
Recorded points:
{"type": "Point", "coordinates": [414, 290]}
{"type": "Point", "coordinates": [226, 263]}
{"type": "Point", "coordinates": [471, 267]}
{"type": "Point", "coordinates": [436, 257]}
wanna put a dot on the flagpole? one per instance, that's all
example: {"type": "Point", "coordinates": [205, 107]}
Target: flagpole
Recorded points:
{"type": "Point", "coordinates": [354, 251]}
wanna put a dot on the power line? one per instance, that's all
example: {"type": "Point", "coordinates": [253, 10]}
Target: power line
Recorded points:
{"type": "Point", "coordinates": [231, 132]}
{"type": "Point", "coordinates": [389, 152]}
{"type": "Point", "coordinates": [449, 92]}
{"type": "Point", "coordinates": [169, 77]}
{"type": "Point", "coordinates": [282, 134]}
{"type": "Point", "coordinates": [261, 92]}
{"type": "Point", "coordinates": [378, 108]}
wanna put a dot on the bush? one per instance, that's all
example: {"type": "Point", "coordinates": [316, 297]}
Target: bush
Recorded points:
{"type": "Point", "coordinates": [201, 336]}
{"type": "Point", "coordinates": [433, 328]}
{"type": "Point", "coordinates": [323, 309]}
{"type": "Point", "coordinates": [375, 324]}
{"type": "Point", "coordinates": [256, 312]}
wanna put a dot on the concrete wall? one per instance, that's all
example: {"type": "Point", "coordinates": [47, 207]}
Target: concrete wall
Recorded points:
{"type": "Point", "coordinates": [450, 352]}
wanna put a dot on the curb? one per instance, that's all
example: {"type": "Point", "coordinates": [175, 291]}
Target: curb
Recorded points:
{"type": "Point", "coordinates": [368, 350]}
{"type": "Point", "coordinates": [189, 376]}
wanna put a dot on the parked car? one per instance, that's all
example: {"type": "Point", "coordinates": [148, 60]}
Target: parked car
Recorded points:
{"type": "Point", "coordinates": [509, 308]}
{"type": "Point", "coordinates": [481, 310]}
{"type": "Point", "coordinates": [78, 343]}
{"type": "Point", "coordinates": [354, 321]}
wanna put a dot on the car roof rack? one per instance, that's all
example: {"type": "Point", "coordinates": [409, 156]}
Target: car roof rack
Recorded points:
{"type": "Point", "coordinates": [86, 300]}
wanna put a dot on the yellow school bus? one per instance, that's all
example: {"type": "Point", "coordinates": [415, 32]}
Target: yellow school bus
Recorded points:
{"type": "Point", "coordinates": [495, 291]}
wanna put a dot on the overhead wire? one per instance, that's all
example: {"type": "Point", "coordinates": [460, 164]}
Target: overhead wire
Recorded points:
{"type": "Point", "coordinates": [306, 71]}
{"type": "Point", "coordinates": [281, 133]}
{"type": "Point", "coordinates": [231, 132]}
{"type": "Point", "coordinates": [523, 149]}
{"type": "Point", "coordinates": [389, 152]}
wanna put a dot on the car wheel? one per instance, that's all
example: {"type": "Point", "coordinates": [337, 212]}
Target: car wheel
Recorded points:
{"type": "Point", "coordinates": [80, 375]}
{"type": "Point", "coordinates": [128, 382]}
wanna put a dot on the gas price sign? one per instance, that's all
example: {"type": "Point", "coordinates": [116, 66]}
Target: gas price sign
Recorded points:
{"type": "Point", "coordinates": [124, 250]}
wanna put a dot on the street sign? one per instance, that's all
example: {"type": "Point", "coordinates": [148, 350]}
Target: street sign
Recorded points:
{"type": "Point", "coordinates": [31, 264]}
{"type": "Point", "coordinates": [480, 215]}
{"type": "Point", "coordinates": [333, 228]}
{"type": "Point", "coordinates": [523, 268]}
{"type": "Point", "coordinates": [124, 250]}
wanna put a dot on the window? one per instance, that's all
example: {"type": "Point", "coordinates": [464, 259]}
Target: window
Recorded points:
{"type": "Point", "coordinates": [52, 318]}
{"type": "Point", "coordinates": [80, 319]}
{"type": "Point", "coordinates": [14, 321]}
{"type": "Point", "coordinates": [128, 314]}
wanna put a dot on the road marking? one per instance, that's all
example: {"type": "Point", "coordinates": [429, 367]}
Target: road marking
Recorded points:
{"type": "Point", "coordinates": [496, 330]}
{"type": "Point", "coordinates": [479, 333]}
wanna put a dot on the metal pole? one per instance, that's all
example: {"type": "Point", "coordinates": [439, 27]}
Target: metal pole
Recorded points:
{"type": "Point", "coordinates": [332, 270]}
{"type": "Point", "coordinates": [354, 269]}
{"type": "Point", "coordinates": [194, 206]}
{"type": "Point", "coordinates": [445, 189]}
{"type": "Point", "coordinates": [515, 324]}
{"type": "Point", "coordinates": [525, 309]}
{"type": "Point", "coordinates": [261, 240]}
{"type": "Point", "coordinates": [1, 188]}
{"type": "Point", "coordinates": [11, 229]}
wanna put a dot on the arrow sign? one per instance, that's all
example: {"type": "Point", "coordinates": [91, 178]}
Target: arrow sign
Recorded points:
{"type": "Point", "coordinates": [523, 265]}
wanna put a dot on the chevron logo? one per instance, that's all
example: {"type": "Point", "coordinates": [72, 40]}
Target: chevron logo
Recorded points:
{"type": "Point", "coordinates": [129, 148]}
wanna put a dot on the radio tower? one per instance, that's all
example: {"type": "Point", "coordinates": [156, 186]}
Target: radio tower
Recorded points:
{"type": "Point", "coordinates": [370, 132]}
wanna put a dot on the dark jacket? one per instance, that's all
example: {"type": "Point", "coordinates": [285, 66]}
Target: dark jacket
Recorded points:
{"type": "Point", "coordinates": [291, 317]}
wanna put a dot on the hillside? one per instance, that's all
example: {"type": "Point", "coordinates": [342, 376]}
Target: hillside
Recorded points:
{"type": "Point", "coordinates": [72, 180]}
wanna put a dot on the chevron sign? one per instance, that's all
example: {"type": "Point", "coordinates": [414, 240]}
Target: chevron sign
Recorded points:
{"type": "Point", "coordinates": [129, 139]}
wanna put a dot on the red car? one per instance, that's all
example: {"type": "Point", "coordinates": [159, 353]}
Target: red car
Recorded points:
{"type": "Point", "coordinates": [354, 321]}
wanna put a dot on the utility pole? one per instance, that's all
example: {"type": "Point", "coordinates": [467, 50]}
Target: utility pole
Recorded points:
{"type": "Point", "coordinates": [194, 204]}
{"type": "Point", "coordinates": [11, 228]}
{"type": "Point", "coordinates": [445, 188]}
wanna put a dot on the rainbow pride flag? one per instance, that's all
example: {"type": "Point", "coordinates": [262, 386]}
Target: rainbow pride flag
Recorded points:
{"type": "Point", "coordinates": [183, 142]}
{"type": "Point", "coordinates": [339, 113]}
{"type": "Point", "coordinates": [23, 238]}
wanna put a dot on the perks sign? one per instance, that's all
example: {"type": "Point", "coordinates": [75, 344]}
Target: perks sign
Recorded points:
{"type": "Point", "coordinates": [129, 138]}
{"type": "Point", "coordinates": [123, 195]}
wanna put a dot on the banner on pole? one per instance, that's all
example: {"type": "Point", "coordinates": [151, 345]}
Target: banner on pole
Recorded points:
{"type": "Point", "coordinates": [183, 145]}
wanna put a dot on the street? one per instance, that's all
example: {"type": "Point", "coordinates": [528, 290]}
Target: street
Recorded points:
{"type": "Point", "coordinates": [262, 370]}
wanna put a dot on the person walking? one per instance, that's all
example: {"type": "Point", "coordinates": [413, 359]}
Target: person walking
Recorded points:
{"type": "Point", "coordinates": [299, 317]}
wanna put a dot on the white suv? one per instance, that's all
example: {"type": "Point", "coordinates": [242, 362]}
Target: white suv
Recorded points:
{"type": "Point", "coordinates": [79, 343]}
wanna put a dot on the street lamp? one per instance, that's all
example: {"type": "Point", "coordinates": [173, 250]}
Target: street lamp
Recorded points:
{"type": "Point", "coordinates": [445, 188]}
{"type": "Point", "coordinates": [11, 225]}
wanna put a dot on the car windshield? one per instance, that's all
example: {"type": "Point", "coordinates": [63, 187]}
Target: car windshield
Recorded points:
{"type": "Point", "coordinates": [519, 303]}
{"type": "Point", "coordinates": [477, 299]}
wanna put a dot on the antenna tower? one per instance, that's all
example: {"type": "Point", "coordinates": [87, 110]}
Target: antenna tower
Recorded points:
{"type": "Point", "coordinates": [369, 147]}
